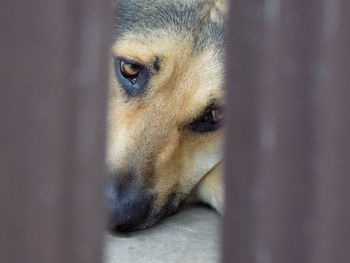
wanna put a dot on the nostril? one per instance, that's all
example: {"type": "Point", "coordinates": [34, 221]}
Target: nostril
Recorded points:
{"type": "Point", "coordinates": [122, 228]}
{"type": "Point", "coordinates": [115, 227]}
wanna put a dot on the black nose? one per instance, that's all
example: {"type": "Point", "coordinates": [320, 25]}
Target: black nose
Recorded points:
{"type": "Point", "coordinates": [128, 206]}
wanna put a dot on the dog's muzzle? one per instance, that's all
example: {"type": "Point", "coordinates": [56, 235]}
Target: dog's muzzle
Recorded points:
{"type": "Point", "coordinates": [129, 207]}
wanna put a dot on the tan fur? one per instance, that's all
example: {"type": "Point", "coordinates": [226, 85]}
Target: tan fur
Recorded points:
{"type": "Point", "coordinates": [210, 190]}
{"type": "Point", "coordinates": [216, 10]}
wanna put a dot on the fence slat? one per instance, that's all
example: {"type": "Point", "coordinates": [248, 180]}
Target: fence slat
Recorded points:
{"type": "Point", "coordinates": [52, 107]}
{"type": "Point", "coordinates": [332, 213]}
{"type": "Point", "coordinates": [288, 162]}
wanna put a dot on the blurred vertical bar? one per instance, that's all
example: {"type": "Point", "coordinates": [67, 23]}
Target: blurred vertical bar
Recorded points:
{"type": "Point", "coordinates": [331, 231]}
{"type": "Point", "coordinates": [244, 51]}
{"type": "Point", "coordinates": [288, 172]}
{"type": "Point", "coordinates": [53, 75]}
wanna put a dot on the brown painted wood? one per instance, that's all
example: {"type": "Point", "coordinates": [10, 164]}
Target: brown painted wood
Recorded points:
{"type": "Point", "coordinates": [288, 171]}
{"type": "Point", "coordinates": [331, 231]}
{"type": "Point", "coordinates": [52, 107]}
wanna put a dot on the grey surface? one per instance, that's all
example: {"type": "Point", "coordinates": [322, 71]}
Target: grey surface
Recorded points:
{"type": "Point", "coordinates": [192, 235]}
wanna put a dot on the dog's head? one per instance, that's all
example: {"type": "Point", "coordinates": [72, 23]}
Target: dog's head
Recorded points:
{"type": "Point", "coordinates": [165, 106]}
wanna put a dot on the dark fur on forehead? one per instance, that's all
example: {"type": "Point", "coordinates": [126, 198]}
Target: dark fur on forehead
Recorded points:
{"type": "Point", "coordinates": [181, 17]}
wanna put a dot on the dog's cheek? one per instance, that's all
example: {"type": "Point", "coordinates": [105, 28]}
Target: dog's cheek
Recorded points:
{"type": "Point", "coordinates": [200, 160]}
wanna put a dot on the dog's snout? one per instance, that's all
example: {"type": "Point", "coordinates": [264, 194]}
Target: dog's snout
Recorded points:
{"type": "Point", "coordinates": [128, 206]}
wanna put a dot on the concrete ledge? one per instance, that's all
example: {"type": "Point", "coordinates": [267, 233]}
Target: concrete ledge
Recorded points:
{"type": "Point", "coordinates": [192, 235]}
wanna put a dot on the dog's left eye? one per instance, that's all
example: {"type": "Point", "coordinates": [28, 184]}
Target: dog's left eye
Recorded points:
{"type": "Point", "coordinates": [129, 71]}
{"type": "Point", "coordinates": [210, 121]}
{"type": "Point", "coordinates": [132, 76]}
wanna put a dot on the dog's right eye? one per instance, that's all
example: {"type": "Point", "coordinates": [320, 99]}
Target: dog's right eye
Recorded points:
{"type": "Point", "coordinates": [132, 76]}
{"type": "Point", "coordinates": [210, 121]}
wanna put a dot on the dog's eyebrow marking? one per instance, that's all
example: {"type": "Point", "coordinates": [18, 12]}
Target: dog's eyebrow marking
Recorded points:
{"type": "Point", "coordinates": [157, 63]}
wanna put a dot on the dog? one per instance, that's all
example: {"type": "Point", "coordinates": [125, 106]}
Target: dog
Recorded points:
{"type": "Point", "coordinates": [165, 109]}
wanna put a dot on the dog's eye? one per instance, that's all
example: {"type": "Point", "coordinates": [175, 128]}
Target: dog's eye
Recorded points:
{"type": "Point", "coordinates": [210, 121]}
{"type": "Point", "coordinates": [129, 71]}
{"type": "Point", "coordinates": [132, 76]}
{"type": "Point", "coordinates": [214, 116]}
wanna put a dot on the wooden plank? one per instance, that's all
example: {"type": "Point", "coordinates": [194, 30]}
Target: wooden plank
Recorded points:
{"type": "Point", "coordinates": [331, 231]}
{"type": "Point", "coordinates": [288, 169]}
{"type": "Point", "coordinates": [52, 107]}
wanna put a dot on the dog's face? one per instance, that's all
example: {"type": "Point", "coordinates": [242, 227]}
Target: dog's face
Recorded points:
{"type": "Point", "coordinates": [165, 111]}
